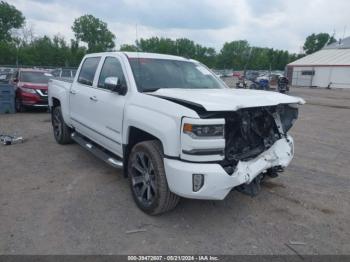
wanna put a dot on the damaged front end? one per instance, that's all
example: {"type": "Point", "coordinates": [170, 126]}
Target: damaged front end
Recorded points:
{"type": "Point", "coordinates": [250, 132]}
{"type": "Point", "coordinates": [233, 150]}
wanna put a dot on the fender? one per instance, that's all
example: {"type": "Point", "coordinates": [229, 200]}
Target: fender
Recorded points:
{"type": "Point", "coordinates": [159, 125]}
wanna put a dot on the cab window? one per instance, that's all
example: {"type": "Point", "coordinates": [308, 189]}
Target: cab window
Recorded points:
{"type": "Point", "coordinates": [111, 68]}
{"type": "Point", "coordinates": [88, 70]}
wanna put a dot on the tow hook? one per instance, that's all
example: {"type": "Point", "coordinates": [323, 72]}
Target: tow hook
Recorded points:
{"type": "Point", "coordinates": [253, 188]}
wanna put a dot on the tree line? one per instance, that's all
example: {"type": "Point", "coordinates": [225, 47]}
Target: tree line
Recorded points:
{"type": "Point", "coordinates": [18, 46]}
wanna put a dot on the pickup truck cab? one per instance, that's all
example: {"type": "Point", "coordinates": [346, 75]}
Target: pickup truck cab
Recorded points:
{"type": "Point", "coordinates": [174, 127]}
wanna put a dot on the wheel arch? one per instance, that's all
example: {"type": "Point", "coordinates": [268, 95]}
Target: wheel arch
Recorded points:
{"type": "Point", "coordinates": [136, 135]}
{"type": "Point", "coordinates": [55, 102]}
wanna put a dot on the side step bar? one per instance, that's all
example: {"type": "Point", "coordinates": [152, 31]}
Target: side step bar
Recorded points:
{"type": "Point", "coordinates": [109, 158]}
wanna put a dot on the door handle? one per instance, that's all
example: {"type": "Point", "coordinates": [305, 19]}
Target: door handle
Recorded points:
{"type": "Point", "coordinates": [93, 98]}
{"type": "Point", "coordinates": [73, 92]}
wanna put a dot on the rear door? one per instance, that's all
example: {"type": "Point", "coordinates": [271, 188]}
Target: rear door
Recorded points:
{"type": "Point", "coordinates": [107, 107]}
{"type": "Point", "coordinates": [81, 96]}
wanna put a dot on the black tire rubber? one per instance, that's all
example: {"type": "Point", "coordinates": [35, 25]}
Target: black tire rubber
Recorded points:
{"type": "Point", "coordinates": [64, 136]}
{"type": "Point", "coordinates": [19, 106]}
{"type": "Point", "coordinates": [164, 199]}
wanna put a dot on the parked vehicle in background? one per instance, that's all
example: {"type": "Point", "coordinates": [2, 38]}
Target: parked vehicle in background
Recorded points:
{"type": "Point", "coordinates": [5, 78]}
{"type": "Point", "coordinates": [236, 74]}
{"type": "Point", "coordinates": [242, 83]}
{"type": "Point", "coordinates": [260, 84]}
{"type": "Point", "coordinates": [282, 84]}
{"type": "Point", "coordinates": [251, 75]}
{"type": "Point", "coordinates": [175, 128]}
{"type": "Point", "coordinates": [31, 87]}
{"type": "Point", "coordinates": [64, 72]}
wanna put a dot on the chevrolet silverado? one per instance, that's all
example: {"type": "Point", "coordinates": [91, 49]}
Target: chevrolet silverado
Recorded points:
{"type": "Point", "coordinates": [174, 128]}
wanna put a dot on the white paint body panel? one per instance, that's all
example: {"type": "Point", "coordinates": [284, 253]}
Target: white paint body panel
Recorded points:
{"type": "Point", "coordinates": [113, 115]}
{"type": "Point", "coordinates": [229, 99]}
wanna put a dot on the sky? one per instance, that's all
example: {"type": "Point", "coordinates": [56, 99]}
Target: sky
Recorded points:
{"type": "Point", "coordinates": [278, 24]}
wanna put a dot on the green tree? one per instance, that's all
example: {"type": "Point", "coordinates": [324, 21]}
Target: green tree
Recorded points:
{"type": "Point", "coordinates": [8, 53]}
{"type": "Point", "coordinates": [94, 32]}
{"type": "Point", "coordinates": [186, 48]}
{"type": "Point", "coordinates": [10, 18]}
{"type": "Point", "coordinates": [315, 42]}
{"type": "Point", "coordinates": [128, 48]}
{"type": "Point", "coordinates": [157, 45]}
{"type": "Point", "coordinates": [76, 53]}
{"type": "Point", "coordinates": [234, 54]}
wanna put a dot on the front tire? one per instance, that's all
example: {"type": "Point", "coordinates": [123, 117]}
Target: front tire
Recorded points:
{"type": "Point", "coordinates": [147, 179]}
{"type": "Point", "coordinates": [19, 106]}
{"type": "Point", "coordinates": [61, 131]}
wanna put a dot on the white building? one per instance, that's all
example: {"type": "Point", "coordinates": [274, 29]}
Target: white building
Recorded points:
{"type": "Point", "coordinates": [328, 67]}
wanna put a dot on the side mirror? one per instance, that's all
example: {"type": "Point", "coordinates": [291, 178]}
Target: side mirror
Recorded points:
{"type": "Point", "coordinates": [15, 80]}
{"type": "Point", "coordinates": [113, 84]}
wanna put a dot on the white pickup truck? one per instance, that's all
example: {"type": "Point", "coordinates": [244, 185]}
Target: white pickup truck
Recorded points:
{"type": "Point", "coordinates": [174, 127]}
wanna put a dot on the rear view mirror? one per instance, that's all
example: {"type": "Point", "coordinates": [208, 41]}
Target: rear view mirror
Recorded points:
{"type": "Point", "coordinates": [113, 84]}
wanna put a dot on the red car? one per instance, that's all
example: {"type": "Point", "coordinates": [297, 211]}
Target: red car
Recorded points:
{"type": "Point", "coordinates": [31, 88]}
{"type": "Point", "coordinates": [236, 74]}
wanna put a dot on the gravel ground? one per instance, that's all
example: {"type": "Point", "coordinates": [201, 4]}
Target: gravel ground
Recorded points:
{"type": "Point", "coordinates": [62, 200]}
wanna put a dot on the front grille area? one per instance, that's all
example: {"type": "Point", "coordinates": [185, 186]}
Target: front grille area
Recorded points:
{"type": "Point", "coordinates": [42, 92]}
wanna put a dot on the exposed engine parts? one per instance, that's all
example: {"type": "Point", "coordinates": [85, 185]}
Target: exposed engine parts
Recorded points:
{"type": "Point", "coordinates": [249, 132]}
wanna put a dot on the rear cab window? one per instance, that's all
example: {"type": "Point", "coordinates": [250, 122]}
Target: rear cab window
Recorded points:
{"type": "Point", "coordinates": [88, 70]}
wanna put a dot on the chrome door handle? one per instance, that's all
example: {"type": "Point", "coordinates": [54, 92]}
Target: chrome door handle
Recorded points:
{"type": "Point", "coordinates": [73, 92]}
{"type": "Point", "coordinates": [93, 98]}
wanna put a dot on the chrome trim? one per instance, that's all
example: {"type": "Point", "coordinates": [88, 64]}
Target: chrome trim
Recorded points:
{"type": "Point", "coordinates": [204, 152]}
{"type": "Point", "coordinates": [115, 162]}
{"type": "Point", "coordinates": [36, 105]}
{"type": "Point", "coordinates": [40, 92]}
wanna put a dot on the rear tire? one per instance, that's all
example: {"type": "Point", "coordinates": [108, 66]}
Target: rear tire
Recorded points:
{"type": "Point", "coordinates": [147, 179]}
{"type": "Point", "coordinates": [61, 131]}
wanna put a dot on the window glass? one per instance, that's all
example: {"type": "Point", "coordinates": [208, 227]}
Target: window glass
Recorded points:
{"type": "Point", "coordinates": [88, 69]}
{"type": "Point", "coordinates": [152, 74]}
{"type": "Point", "coordinates": [66, 73]}
{"type": "Point", "coordinates": [111, 68]}
{"type": "Point", "coordinates": [56, 73]}
{"type": "Point", "coordinates": [34, 77]}
{"type": "Point", "coordinates": [307, 73]}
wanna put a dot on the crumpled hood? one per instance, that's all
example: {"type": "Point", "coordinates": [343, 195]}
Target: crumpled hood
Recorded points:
{"type": "Point", "coordinates": [227, 99]}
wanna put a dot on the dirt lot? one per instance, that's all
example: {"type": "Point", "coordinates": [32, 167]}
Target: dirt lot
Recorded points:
{"type": "Point", "coordinates": [62, 200]}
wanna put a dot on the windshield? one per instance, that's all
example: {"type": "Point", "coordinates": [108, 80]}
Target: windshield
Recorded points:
{"type": "Point", "coordinates": [35, 77]}
{"type": "Point", "coordinates": [153, 74]}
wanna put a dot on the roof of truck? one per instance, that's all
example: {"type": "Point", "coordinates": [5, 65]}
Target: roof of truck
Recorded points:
{"type": "Point", "coordinates": [145, 55]}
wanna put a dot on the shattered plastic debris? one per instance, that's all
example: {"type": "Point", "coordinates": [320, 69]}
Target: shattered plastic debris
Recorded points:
{"type": "Point", "coordinates": [10, 139]}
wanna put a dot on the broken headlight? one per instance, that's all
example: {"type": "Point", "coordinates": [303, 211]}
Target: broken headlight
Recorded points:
{"type": "Point", "coordinates": [288, 115]}
{"type": "Point", "coordinates": [203, 131]}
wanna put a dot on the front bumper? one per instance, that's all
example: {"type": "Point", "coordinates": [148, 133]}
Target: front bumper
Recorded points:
{"type": "Point", "coordinates": [33, 100]}
{"type": "Point", "coordinates": [217, 183]}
